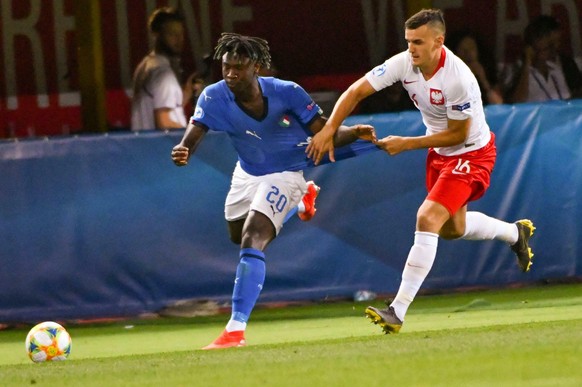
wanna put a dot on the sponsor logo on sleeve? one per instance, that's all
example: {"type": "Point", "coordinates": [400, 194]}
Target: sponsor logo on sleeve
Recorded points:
{"type": "Point", "coordinates": [198, 113]}
{"type": "Point", "coordinates": [462, 107]}
{"type": "Point", "coordinates": [379, 70]}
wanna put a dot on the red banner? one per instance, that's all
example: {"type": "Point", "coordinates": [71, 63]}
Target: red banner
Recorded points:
{"type": "Point", "coordinates": [320, 43]}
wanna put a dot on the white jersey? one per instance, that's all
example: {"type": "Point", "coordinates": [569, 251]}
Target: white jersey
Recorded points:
{"type": "Point", "coordinates": [544, 89]}
{"type": "Point", "coordinates": [155, 87]}
{"type": "Point", "coordinates": [452, 92]}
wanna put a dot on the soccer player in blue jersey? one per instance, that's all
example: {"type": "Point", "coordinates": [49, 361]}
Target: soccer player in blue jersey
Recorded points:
{"type": "Point", "coordinates": [270, 122]}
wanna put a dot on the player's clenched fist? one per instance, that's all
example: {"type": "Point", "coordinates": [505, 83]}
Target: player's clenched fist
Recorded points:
{"type": "Point", "coordinates": [180, 155]}
{"type": "Point", "coordinates": [365, 132]}
{"type": "Point", "coordinates": [392, 144]}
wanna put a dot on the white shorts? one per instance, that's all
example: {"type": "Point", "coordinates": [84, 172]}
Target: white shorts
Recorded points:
{"type": "Point", "coordinates": [273, 195]}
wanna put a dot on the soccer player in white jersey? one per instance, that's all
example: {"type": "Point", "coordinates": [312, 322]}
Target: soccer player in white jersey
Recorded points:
{"type": "Point", "coordinates": [269, 122]}
{"type": "Point", "coordinates": [461, 153]}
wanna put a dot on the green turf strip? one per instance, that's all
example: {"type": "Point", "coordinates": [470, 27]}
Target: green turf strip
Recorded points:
{"type": "Point", "coordinates": [516, 337]}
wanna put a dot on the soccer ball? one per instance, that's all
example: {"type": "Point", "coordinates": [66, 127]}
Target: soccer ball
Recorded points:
{"type": "Point", "coordinates": [48, 341]}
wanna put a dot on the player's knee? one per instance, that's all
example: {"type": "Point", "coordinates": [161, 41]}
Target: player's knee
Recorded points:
{"type": "Point", "coordinates": [432, 217]}
{"type": "Point", "coordinates": [251, 239]}
{"type": "Point", "coordinates": [256, 238]}
{"type": "Point", "coordinates": [449, 234]}
{"type": "Point", "coordinates": [426, 222]}
{"type": "Point", "coordinates": [236, 239]}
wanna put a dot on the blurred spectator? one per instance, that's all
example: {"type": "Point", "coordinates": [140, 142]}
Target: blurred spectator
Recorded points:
{"type": "Point", "coordinates": [571, 71]}
{"type": "Point", "coordinates": [468, 47]}
{"type": "Point", "coordinates": [159, 97]}
{"type": "Point", "coordinates": [537, 78]}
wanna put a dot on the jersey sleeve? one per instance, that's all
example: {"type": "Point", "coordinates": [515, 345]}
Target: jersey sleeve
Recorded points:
{"type": "Point", "coordinates": [301, 104]}
{"type": "Point", "coordinates": [207, 111]}
{"type": "Point", "coordinates": [391, 71]}
{"type": "Point", "coordinates": [460, 99]}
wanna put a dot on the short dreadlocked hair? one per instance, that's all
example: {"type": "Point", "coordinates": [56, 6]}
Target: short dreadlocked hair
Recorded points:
{"type": "Point", "coordinates": [256, 49]}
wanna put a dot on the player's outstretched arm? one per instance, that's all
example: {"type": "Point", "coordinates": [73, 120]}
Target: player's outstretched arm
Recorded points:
{"type": "Point", "coordinates": [192, 137]}
{"type": "Point", "coordinates": [456, 134]}
{"type": "Point", "coordinates": [347, 134]}
{"type": "Point", "coordinates": [323, 141]}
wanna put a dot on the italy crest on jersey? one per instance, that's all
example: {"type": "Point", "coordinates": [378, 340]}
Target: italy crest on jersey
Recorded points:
{"type": "Point", "coordinates": [285, 121]}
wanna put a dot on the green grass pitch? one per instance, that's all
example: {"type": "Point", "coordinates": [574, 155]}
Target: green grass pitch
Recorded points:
{"type": "Point", "coordinates": [514, 337]}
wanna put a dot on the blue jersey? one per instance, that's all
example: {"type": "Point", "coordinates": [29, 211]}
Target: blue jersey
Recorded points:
{"type": "Point", "coordinates": [274, 143]}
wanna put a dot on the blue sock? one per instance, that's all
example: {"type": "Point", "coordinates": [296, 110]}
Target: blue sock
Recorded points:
{"type": "Point", "coordinates": [250, 276]}
{"type": "Point", "coordinates": [290, 214]}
